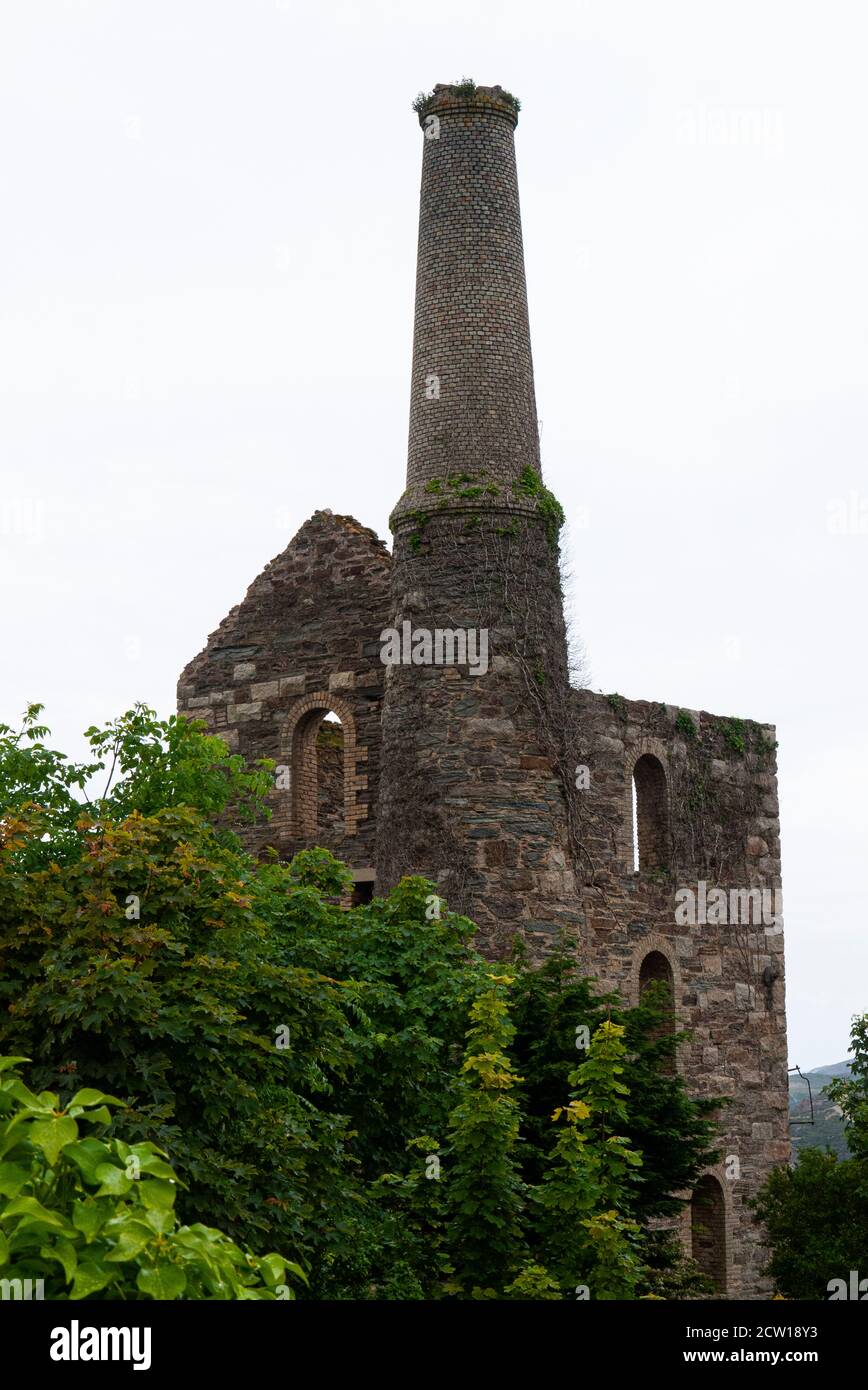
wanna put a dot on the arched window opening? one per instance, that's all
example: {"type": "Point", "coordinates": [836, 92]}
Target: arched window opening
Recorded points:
{"type": "Point", "coordinates": [655, 969]}
{"type": "Point", "coordinates": [319, 777]}
{"type": "Point", "coordinates": [330, 811]}
{"type": "Point", "coordinates": [708, 1230]}
{"type": "Point", "coordinates": [650, 814]}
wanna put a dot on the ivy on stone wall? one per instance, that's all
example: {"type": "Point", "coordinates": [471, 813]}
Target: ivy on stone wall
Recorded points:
{"type": "Point", "coordinates": [530, 484]}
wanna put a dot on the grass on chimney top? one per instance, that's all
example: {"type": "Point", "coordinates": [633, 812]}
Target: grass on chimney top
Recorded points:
{"type": "Point", "coordinates": [465, 88]}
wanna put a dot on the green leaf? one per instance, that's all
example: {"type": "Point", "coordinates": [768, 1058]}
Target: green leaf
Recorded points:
{"type": "Point", "coordinates": [191, 1238]}
{"type": "Point", "coordinates": [158, 1169]}
{"type": "Point", "coordinates": [65, 1253]}
{"type": "Point", "coordinates": [89, 1155]}
{"type": "Point", "coordinates": [4, 1249]}
{"type": "Point", "coordinates": [20, 1092]}
{"type": "Point", "coordinates": [273, 1268]}
{"type": "Point", "coordinates": [51, 1135]}
{"type": "Point", "coordinates": [157, 1193]}
{"type": "Point", "coordinates": [88, 1096]}
{"type": "Point", "coordinates": [32, 1212]}
{"type": "Point", "coordinates": [113, 1181]}
{"type": "Point", "coordinates": [90, 1278]}
{"type": "Point", "coordinates": [101, 1116]}
{"type": "Point", "coordinates": [162, 1281]}
{"type": "Point", "coordinates": [90, 1216]}
{"type": "Point", "coordinates": [160, 1221]}
{"type": "Point", "coordinates": [12, 1178]}
{"type": "Point", "coordinates": [134, 1236]}
{"type": "Point", "coordinates": [150, 1162]}
{"type": "Point", "coordinates": [7, 1062]}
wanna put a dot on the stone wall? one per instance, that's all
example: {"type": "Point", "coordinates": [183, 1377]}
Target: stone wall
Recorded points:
{"type": "Point", "coordinates": [305, 640]}
{"type": "Point", "coordinates": [718, 825]}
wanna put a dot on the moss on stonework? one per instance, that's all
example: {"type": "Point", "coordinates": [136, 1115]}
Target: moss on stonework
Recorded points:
{"type": "Point", "coordinates": [742, 736]}
{"type": "Point", "coordinates": [466, 486]}
{"type": "Point", "coordinates": [473, 487]}
{"type": "Point", "coordinates": [733, 731]}
{"type": "Point", "coordinates": [685, 725]}
{"type": "Point", "coordinates": [530, 484]}
{"type": "Point", "coordinates": [619, 704]}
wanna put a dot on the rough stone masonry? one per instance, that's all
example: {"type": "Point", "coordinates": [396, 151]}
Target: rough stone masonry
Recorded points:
{"type": "Point", "coordinates": [538, 809]}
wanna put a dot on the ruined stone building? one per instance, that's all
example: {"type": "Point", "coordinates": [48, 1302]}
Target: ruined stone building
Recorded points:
{"type": "Point", "coordinates": [537, 808]}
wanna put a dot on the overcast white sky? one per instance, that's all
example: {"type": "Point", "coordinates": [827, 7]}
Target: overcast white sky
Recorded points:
{"type": "Point", "coordinates": [207, 249]}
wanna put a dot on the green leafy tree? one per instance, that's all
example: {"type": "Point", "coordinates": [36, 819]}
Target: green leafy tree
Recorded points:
{"type": "Point", "coordinates": [303, 1064]}
{"type": "Point", "coordinates": [140, 763]}
{"type": "Point", "coordinates": [410, 978]}
{"type": "Point", "coordinates": [94, 1217]}
{"type": "Point", "coordinates": [851, 1093]}
{"type": "Point", "coordinates": [816, 1214]}
{"type": "Point", "coordinates": [815, 1217]}
{"type": "Point", "coordinates": [674, 1132]}
{"type": "Point", "coordinates": [148, 965]}
{"type": "Point", "coordinates": [399, 1245]}
{"type": "Point", "coordinates": [155, 764]}
{"type": "Point", "coordinates": [33, 774]}
{"type": "Point", "coordinates": [485, 1192]}
{"type": "Point", "coordinates": [534, 1284]}
{"type": "Point", "coordinates": [587, 1238]}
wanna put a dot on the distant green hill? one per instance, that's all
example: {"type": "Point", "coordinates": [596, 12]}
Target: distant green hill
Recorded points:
{"type": "Point", "coordinates": [827, 1131]}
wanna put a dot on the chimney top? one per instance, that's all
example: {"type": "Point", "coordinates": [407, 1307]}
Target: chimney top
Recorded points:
{"type": "Point", "coordinates": [457, 97]}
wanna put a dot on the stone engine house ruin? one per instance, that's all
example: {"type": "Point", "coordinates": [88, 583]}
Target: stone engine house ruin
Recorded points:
{"type": "Point", "coordinates": [537, 808]}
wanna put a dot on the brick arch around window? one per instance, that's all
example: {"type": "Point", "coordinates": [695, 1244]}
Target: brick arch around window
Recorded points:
{"type": "Point", "coordinates": [297, 815]}
{"type": "Point", "coordinates": [654, 944]}
{"type": "Point", "coordinates": [650, 955]}
{"type": "Point", "coordinates": [648, 766]}
{"type": "Point", "coordinates": [708, 1222]}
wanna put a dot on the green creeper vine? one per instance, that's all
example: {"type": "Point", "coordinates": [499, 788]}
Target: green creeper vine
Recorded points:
{"type": "Point", "coordinates": [530, 484]}
{"type": "Point", "coordinates": [420, 521]}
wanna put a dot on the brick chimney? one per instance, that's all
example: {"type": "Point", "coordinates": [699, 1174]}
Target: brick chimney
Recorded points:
{"type": "Point", "coordinates": [469, 794]}
{"type": "Point", "coordinates": [472, 402]}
